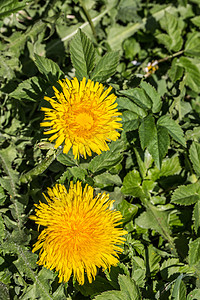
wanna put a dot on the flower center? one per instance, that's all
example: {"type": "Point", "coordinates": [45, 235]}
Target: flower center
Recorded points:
{"type": "Point", "coordinates": [84, 120]}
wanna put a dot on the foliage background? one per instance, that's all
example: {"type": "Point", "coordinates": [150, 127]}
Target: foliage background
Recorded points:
{"type": "Point", "coordinates": [152, 171]}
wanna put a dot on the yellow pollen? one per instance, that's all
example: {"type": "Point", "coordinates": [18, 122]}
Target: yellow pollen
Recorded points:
{"type": "Point", "coordinates": [84, 120]}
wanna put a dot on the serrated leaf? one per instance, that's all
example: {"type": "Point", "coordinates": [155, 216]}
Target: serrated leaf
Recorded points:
{"type": "Point", "coordinates": [192, 45]}
{"type": "Point", "coordinates": [139, 97]}
{"type": "Point", "coordinates": [175, 72]}
{"type": "Point", "coordinates": [132, 184]}
{"type": "Point", "coordinates": [125, 103]}
{"type": "Point", "coordinates": [196, 21]}
{"type": "Point", "coordinates": [147, 130]}
{"type": "Point", "coordinates": [157, 219]}
{"type": "Point", "coordinates": [8, 7]}
{"type": "Point", "coordinates": [67, 159]}
{"type": "Point", "coordinates": [159, 144]}
{"type": "Point", "coordinates": [173, 128]}
{"type": "Point", "coordinates": [186, 194]}
{"type": "Point", "coordinates": [106, 67]}
{"type": "Point", "coordinates": [48, 68]}
{"type": "Point", "coordinates": [152, 260]}
{"type": "Point", "coordinates": [194, 252]}
{"type": "Point", "coordinates": [107, 159]}
{"type": "Point", "coordinates": [30, 89]}
{"type": "Point", "coordinates": [196, 216]}
{"type": "Point", "coordinates": [129, 286]}
{"type": "Point", "coordinates": [78, 173]}
{"type": "Point", "coordinates": [127, 210]}
{"type": "Point", "coordinates": [153, 95]}
{"type": "Point", "coordinates": [195, 157]}
{"type": "Point", "coordinates": [179, 290]}
{"type": "Point", "coordinates": [82, 55]}
{"type": "Point", "coordinates": [129, 120]}
{"type": "Point", "coordinates": [107, 179]}
{"type": "Point", "coordinates": [192, 73]}
{"type": "Point", "coordinates": [194, 295]}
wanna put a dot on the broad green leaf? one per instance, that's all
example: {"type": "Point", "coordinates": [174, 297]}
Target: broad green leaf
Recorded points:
{"type": "Point", "coordinates": [106, 67]}
{"type": "Point", "coordinates": [152, 260]}
{"type": "Point", "coordinates": [67, 159]}
{"type": "Point", "coordinates": [170, 166]}
{"type": "Point", "coordinates": [196, 21]}
{"type": "Point", "coordinates": [196, 216]}
{"type": "Point", "coordinates": [132, 184]}
{"type": "Point", "coordinates": [195, 157]}
{"type": "Point", "coordinates": [139, 97]}
{"type": "Point", "coordinates": [2, 196]}
{"type": "Point", "coordinates": [144, 161]}
{"type": "Point", "coordinates": [147, 131]}
{"type": "Point", "coordinates": [170, 267]}
{"type": "Point", "coordinates": [179, 290]}
{"type": "Point", "coordinates": [192, 45]}
{"type": "Point", "coordinates": [31, 89]}
{"type": "Point", "coordinates": [194, 252]}
{"type": "Point", "coordinates": [129, 120]}
{"type": "Point", "coordinates": [78, 173]}
{"type": "Point", "coordinates": [173, 128]}
{"type": "Point", "coordinates": [125, 103]}
{"type": "Point", "coordinates": [186, 194]}
{"type": "Point", "coordinates": [82, 55]}
{"type": "Point", "coordinates": [175, 72]}
{"type": "Point", "coordinates": [130, 287]}
{"type": "Point", "coordinates": [128, 210]}
{"type": "Point", "coordinates": [107, 179]}
{"type": "Point", "coordinates": [157, 219]}
{"type": "Point", "coordinates": [107, 159]}
{"type": "Point", "coordinates": [192, 73]}
{"type": "Point", "coordinates": [173, 26]}
{"type": "Point", "coordinates": [48, 68]}
{"type": "Point", "coordinates": [153, 95]}
{"type": "Point", "coordinates": [159, 144]}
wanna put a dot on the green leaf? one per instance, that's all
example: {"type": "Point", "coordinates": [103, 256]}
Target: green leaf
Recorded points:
{"type": "Point", "coordinates": [179, 290]}
{"type": "Point", "coordinates": [31, 89]}
{"type": "Point", "coordinates": [78, 173]}
{"type": "Point", "coordinates": [192, 45]}
{"type": "Point", "coordinates": [173, 128]}
{"type": "Point", "coordinates": [175, 72]}
{"type": "Point", "coordinates": [48, 68]}
{"type": "Point", "coordinates": [147, 131]}
{"type": "Point", "coordinates": [173, 26]}
{"type": "Point", "coordinates": [125, 103]}
{"type": "Point", "coordinates": [107, 179]}
{"type": "Point", "coordinates": [159, 144]}
{"type": "Point", "coordinates": [194, 295]}
{"type": "Point", "coordinates": [196, 21]}
{"type": "Point", "coordinates": [107, 159]}
{"type": "Point", "coordinates": [192, 73]}
{"type": "Point", "coordinates": [127, 210]}
{"type": "Point", "coordinates": [106, 67]}
{"type": "Point", "coordinates": [82, 55]}
{"type": "Point", "coordinates": [194, 252]}
{"type": "Point", "coordinates": [4, 291]}
{"type": "Point", "coordinates": [132, 184]}
{"type": "Point", "coordinates": [152, 260]}
{"type": "Point", "coordinates": [153, 95]}
{"type": "Point", "coordinates": [2, 229]}
{"type": "Point", "coordinates": [196, 216]}
{"type": "Point", "coordinates": [8, 7]}
{"type": "Point", "coordinates": [129, 120]}
{"type": "Point", "coordinates": [156, 219]}
{"type": "Point", "coordinates": [129, 286]}
{"type": "Point", "coordinates": [139, 97]}
{"type": "Point", "coordinates": [67, 159]}
{"type": "Point", "coordinates": [195, 157]}
{"type": "Point", "coordinates": [186, 194]}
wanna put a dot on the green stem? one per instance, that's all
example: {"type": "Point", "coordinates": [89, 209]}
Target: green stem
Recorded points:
{"type": "Point", "coordinates": [170, 56]}
{"type": "Point", "coordinates": [89, 19]}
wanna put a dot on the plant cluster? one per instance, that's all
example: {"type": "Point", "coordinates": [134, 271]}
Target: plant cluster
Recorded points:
{"type": "Point", "coordinates": [144, 56]}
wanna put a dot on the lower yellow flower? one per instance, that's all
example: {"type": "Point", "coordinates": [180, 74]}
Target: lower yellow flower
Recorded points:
{"type": "Point", "coordinates": [81, 232]}
{"type": "Point", "coordinates": [83, 116]}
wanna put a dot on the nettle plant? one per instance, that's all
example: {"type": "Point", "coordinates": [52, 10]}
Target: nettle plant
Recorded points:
{"type": "Point", "coordinates": [135, 142]}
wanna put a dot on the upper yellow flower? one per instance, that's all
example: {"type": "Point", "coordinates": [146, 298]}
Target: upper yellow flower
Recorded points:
{"type": "Point", "coordinates": [81, 232]}
{"type": "Point", "coordinates": [83, 116]}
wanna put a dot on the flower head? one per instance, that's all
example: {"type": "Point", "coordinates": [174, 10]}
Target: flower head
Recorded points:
{"type": "Point", "coordinates": [83, 116]}
{"type": "Point", "coordinates": [81, 232]}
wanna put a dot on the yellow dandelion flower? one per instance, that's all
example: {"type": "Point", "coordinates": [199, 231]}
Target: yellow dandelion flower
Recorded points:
{"type": "Point", "coordinates": [83, 116]}
{"type": "Point", "coordinates": [81, 233]}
